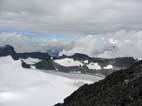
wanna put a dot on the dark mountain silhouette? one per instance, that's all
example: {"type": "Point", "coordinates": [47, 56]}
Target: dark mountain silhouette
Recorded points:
{"type": "Point", "coordinates": [39, 55]}
{"type": "Point", "coordinates": [121, 88]}
{"type": "Point", "coordinates": [45, 63]}
{"type": "Point", "coordinates": [8, 50]}
{"type": "Point", "coordinates": [25, 65]}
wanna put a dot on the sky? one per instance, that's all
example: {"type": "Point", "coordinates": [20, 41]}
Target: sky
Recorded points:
{"type": "Point", "coordinates": [105, 28]}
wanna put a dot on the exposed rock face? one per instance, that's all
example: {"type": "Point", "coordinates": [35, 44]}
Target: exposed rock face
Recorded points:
{"type": "Point", "coordinates": [8, 50]}
{"type": "Point", "coordinates": [45, 65]}
{"type": "Point", "coordinates": [25, 65]}
{"type": "Point", "coordinates": [121, 88]}
{"type": "Point", "coordinates": [39, 55]}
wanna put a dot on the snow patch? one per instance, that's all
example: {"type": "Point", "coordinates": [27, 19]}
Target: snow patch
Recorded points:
{"type": "Point", "coordinates": [86, 61]}
{"type": "Point", "coordinates": [33, 67]}
{"type": "Point", "coordinates": [68, 62]}
{"type": "Point", "coordinates": [108, 67]}
{"type": "Point", "coordinates": [94, 66]}
{"type": "Point", "coordinates": [30, 60]}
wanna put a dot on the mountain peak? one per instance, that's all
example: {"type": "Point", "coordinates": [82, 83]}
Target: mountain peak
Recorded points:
{"type": "Point", "coordinates": [8, 50]}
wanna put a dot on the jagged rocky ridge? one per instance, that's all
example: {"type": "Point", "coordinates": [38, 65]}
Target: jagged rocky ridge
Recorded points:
{"type": "Point", "coordinates": [121, 88]}
{"type": "Point", "coordinates": [9, 50]}
{"type": "Point", "coordinates": [82, 62]}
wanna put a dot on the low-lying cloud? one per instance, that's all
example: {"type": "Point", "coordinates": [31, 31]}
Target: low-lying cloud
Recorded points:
{"type": "Point", "coordinates": [117, 44]}
{"type": "Point", "coordinates": [23, 43]}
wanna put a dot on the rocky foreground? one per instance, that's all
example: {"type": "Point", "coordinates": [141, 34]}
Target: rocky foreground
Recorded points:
{"type": "Point", "coordinates": [121, 88]}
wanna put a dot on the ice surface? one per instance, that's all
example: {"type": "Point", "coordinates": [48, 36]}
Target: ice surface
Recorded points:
{"type": "Point", "coordinates": [31, 87]}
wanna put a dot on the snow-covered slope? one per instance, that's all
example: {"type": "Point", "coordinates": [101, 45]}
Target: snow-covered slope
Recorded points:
{"type": "Point", "coordinates": [80, 63]}
{"type": "Point", "coordinates": [28, 87]}
{"type": "Point", "coordinates": [94, 66]}
{"type": "Point", "coordinates": [30, 60]}
{"type": "Point", "coordinates": [108, 67]}
{"type": "Point", "coordinates": [68, 62]}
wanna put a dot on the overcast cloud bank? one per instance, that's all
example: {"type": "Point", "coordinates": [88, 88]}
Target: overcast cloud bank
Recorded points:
{"type": "Point", "coordinates": [107, 28]}
{"type": "Point", "coordinates": [71, 16]}
{"type": "Point", "coordinates": [117, 44]}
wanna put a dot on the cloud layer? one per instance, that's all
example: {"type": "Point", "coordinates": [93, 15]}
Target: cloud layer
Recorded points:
{"type": "Point", "coordinates": [71, 16]}
{"type": "Point", "coordinates": [118, 44]}
{"type": "Point", "coordinates": [23, 43]}
{"type": "Point", "coordinates": [107, 28]}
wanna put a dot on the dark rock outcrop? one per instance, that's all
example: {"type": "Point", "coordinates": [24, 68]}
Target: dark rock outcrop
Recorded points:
{"type": "Point", "coordinates": [39, 55]}
{"type": "Point", "coordinates": [121, 88]}
{"type": "Point", "coordinates": [8, 50]}
{"type": "Point", "coordinates": [45, 65]}
{"type": "Point", "coordinates": [25, 65]}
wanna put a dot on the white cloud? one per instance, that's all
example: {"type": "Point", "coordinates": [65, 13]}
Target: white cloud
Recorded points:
{"type": "Point", "coordinates": [88, 45]}
{"type": "Point", "coordinates": [118, 44]}
{"type": "Point", "coordinates": [23, 43]}
{"type": "Point", "coordinates": [19, 42]}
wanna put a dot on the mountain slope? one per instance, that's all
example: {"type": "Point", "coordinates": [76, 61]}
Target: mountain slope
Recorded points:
{"type": "Point", "coordinates": [84, 64]}
{"type": "Point", "coordinates": [38, 55]}
{"type": "Point", "coordinates": [121, 88]}
{"type": "Point", "coordinates": [31, 87]}
{"type": "Point", "coordinates": [37, 59]}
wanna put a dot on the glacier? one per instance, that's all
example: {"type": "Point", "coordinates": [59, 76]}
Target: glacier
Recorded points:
{"type": "Point", "coordinates": [32, 87]}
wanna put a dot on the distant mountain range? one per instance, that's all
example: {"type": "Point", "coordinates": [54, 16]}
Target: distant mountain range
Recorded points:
{"type": "Point", "coordinates": [77, 63]}
{"type": "Point", "coordinates": [9, 50]}
{"type": "Point", "coordinates": [84, 64]}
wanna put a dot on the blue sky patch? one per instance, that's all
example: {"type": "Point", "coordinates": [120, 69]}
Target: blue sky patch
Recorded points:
{"type": "Point", "coordinates": [42, 36]}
